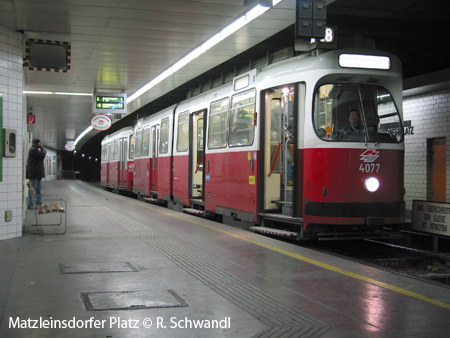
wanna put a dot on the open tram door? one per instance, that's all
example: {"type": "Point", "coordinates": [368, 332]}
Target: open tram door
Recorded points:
{"type": "Point", "coordinates": [280, 174]}
{"type": "Point", "coordinates": [197, 127]}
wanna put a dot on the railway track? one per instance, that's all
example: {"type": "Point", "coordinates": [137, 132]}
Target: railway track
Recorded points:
{"type": "Point", "coordinates": [395, 256]}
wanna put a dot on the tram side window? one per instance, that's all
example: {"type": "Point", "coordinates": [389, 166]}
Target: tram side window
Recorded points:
{"type": "Point", "coordinates": [110, 151]}
{"type": "Point", "coordinates": [218, 126]}
{"type": "Point", "coordinates": [164, 136]}
{"type": "Point", "coordinates": [105, 153]}
{"type": "Point", "coordinates": [183, 132]}
{"type": "Point", "coordinates": [145, 141]}
{"type": "Point", "coordinates": [115, 154]}
{"type": "Point", "coordinates": [242, 129]}
{"type": "Point", "coordinates": [356, 113]}
{"type": "Point", "coordinates": [138, 145]}
{"type": "Point", "coordinates": [131, 150]}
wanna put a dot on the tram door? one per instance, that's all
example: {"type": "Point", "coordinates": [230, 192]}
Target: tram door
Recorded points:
{"type": "Point", "coordinates": [197, 154]}
{"type": "Point", "coordinates": [123, 152]}
{"type": "Point", "coordinates": [154, 167]}
{"type": "Point", "coordinates": [279, 150]}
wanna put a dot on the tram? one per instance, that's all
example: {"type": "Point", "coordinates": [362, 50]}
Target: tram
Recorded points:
{"type": "Point", "coordinates": [308, 147]}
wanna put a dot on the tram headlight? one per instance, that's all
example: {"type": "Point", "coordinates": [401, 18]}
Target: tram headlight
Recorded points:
{"type": "Point", "coordinates": [371, 184]}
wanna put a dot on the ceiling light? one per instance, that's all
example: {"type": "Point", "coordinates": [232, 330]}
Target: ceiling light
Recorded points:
{"type": "Point", "coordinates": [32, 92]}
{"type": "Point", "coordinates": [205, 46]}
{"type": "Point", "coordinates": [87, 130]}
{"type": "Point", "coordinates": [211, 42]}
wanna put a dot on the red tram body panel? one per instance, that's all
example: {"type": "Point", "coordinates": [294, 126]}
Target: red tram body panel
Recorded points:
{"type": "Point", "coordinates": [231, 182]}
{"type": "Point", "coordinates": [180, 187]}
{"type": "Point", "coordinates": [142, 176]}
{"type": "Point", "coordinates": [329, 194]}
{"type": "Point", "coordinates": [164, 178]}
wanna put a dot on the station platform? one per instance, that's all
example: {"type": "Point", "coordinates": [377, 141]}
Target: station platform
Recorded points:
{"type": "Point", "coordinates": [126, 268]}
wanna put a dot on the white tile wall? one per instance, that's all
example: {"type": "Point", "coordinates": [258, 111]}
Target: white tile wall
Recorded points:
{"type": "Point", "coordinates": [430, 115]}
{"type": "Point", "coordinates": [11, 81]}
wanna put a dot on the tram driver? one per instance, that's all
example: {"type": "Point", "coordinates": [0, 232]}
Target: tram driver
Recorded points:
{"type": "Point", "coordinates": [353, 125]}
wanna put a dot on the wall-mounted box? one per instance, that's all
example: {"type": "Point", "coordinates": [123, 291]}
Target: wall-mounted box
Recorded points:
{"type": "Point", "coordinates": [9, 143]}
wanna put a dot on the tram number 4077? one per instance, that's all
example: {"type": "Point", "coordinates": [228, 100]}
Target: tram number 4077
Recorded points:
{"type": "Point", "coordinates": [370, 167]}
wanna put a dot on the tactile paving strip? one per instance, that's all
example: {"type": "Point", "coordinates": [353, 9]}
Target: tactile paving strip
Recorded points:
{"type": "Point", "coordinates": [282, 321]}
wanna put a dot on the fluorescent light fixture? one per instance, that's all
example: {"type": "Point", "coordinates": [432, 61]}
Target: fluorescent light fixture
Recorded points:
{"type": "Point", "coordinates": [31, 92]}
{"type": "Point", "coordinates": [364, 61]}
{"type": "Point", "coordinates": [36, 93]}
{"type": "Point", "coordinates": [87, 130]}
{"type": "Point", "coordinates": [211, 42]}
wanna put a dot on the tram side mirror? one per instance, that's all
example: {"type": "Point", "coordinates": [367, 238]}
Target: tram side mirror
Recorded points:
{"type": "Point", "coordinates": [335, 92]}
{"type": "Point", "coordinates": [9, 143]}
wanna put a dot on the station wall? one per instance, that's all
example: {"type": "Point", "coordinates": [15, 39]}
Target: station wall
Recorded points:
{"type": "Point", "coordinates": [12, 115]}
{"type": "Point", "coordinates": [429, 116]}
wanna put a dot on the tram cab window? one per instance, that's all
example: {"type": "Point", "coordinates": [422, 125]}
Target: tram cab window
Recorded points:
{"type": "Point", "coordinates": [242, 129]}
{"type": "Point", "coordinates": [356, 113]}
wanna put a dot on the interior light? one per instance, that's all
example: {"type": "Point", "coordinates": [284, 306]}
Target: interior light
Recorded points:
{"type": "Point", "coordinates": [364, 61]}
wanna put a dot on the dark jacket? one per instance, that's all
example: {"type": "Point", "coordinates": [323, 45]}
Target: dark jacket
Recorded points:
{"type": "Point", "coordinates": [35, 163]}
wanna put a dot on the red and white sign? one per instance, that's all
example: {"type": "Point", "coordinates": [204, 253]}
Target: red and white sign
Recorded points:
{"type": "Point", "coordinates": [101, 122]}
{"type": "Point", "coordinates": [70, 146]}
{"type": "Point", "coordinates": [31, 119]}
{"type": "Point", "coordinates": [370, 155]}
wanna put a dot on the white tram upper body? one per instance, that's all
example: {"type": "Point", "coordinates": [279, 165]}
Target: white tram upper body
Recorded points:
{"type": "Point", "coordinates": [275, 146]}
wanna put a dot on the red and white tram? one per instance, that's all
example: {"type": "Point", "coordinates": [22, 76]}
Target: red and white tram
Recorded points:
{"type": "Point", "coordinates": [312, 145]}
{"type": "Point", "coordinates": [117, 164]}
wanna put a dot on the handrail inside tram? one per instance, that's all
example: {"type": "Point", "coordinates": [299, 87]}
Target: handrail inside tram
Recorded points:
{"type": "Point", "coordinates": [274, 159]}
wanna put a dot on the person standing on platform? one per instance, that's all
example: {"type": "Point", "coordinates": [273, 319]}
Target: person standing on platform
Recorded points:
{"type": "Point", "coordinates": [35, 173]}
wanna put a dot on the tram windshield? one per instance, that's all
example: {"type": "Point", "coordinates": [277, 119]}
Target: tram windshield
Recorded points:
{"type": "Point", "coordinates": [356, 113]}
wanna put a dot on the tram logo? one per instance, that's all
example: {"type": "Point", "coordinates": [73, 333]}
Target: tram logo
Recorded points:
{"type": "Point", "coordinates": [370, 155]}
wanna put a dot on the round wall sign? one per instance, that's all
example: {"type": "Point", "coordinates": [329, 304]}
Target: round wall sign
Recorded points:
{"type": "Point", "coordinates": [101, 122]}
{"type": "Point", "coordinates": [70, 146]}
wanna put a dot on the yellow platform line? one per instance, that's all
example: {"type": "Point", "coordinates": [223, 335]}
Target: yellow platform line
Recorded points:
{"type": "Point", "coordinates": [297, 256]}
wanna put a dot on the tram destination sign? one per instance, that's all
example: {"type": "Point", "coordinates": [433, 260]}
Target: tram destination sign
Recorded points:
{"type": "Point", "coordinates": [431, 217]}
{"type": "Point", "coordinates": [115, 103]}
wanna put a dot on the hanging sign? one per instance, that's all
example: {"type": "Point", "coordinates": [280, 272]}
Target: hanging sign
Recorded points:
{"type": "Point", "coordinates": [101, 122]}
{"type": "Point", "coordinates": [112, 103]}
